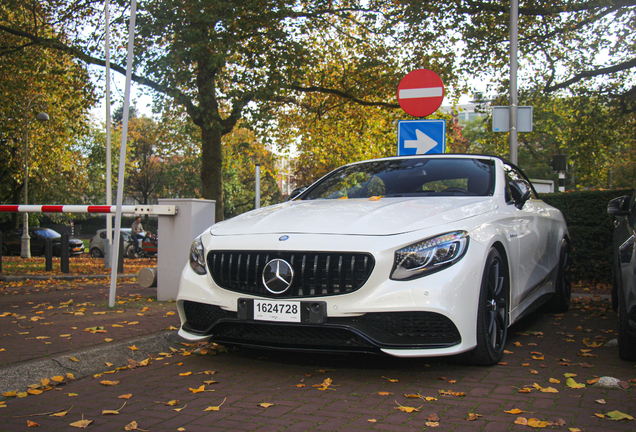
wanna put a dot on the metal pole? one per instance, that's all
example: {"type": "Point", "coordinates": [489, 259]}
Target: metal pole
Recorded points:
{"type": "Point", "coordinates": [514, 45]}
{"type": "Point", "coordinates": [257, 199]}
{"type": "Point", "coordinates": [122, 156]}
{"type": "Point", "coordinates": [25, 251]}
{"type": "Point", "coordinates": [109, 170]}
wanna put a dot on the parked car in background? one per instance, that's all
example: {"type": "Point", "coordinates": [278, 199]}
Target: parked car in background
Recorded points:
{"type": "Point", "coordinates": [96, 244]}
{"type": "Point", "coordinates": [12, 242]}
{"type": "Point", "coordinates": [623, 209]}
{"type": "Point", "coordinates": [419, 256]}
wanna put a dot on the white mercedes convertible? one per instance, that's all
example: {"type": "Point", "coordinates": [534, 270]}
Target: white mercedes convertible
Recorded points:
{"type": "Point", "coordinates": [415, 256]}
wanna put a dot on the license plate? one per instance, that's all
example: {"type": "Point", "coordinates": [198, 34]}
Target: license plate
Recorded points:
{"type": "Point", "coordinates": [284, 311]}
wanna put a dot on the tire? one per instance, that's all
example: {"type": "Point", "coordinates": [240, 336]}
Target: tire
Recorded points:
{"type": "Point", "coordinates": [130, 251]}
{"type": "Point", "coordinates": [626, 340]}
{"type": "Point", "coordinates": [96, 253]}
{"type": "Point", "coordinates": [560, 301]}
{"type": "Point", "coordinates": [5, 250]}
{"type": "Point", "coordinates": [492, 312]}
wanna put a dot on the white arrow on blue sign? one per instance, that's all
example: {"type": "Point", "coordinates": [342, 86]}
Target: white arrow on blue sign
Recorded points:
{"type": "Point", "coordinates": [421, 137]}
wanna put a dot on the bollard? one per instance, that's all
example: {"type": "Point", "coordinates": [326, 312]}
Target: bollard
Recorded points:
{"type": "Point", "coordinates": [48, 255]}
{"type": "Point", "coordinates": [120, 259]}
{"type": "Point", "coordinates": [64, 253]}
{"type": "Point", "coordinates": [147, 277]}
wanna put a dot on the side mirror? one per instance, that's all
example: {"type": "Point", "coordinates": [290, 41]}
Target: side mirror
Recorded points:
{"type": "Point", "coordinates": [521, 192]}
{"type": "Point", "coordinates": [296, 192]}
{"type": "Point", "coordinates": [618, 206]}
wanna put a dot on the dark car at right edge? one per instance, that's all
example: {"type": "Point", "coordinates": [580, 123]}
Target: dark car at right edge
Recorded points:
{"type": "Point", "coordinates": [623, 209]}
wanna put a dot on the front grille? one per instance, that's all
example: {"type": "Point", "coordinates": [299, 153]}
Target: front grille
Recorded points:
{"type": "Point", "coordinates": [315, 273]}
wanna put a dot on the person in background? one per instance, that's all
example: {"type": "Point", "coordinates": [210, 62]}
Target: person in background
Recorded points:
{"type": "Point", "coordinates": [137, 233]}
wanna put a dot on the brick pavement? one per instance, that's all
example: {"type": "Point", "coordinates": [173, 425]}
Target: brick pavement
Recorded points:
{"type": "Point", "coordinates": [48, 317]}
{"type": "Point", "coordinates": [362, 395]}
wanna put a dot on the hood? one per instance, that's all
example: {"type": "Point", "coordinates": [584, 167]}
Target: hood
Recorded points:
{"type": "Point", "coordinates": [386, 216]}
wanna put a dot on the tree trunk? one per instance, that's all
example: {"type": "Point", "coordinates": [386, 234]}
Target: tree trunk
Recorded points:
{"type": "Point", "coordinates": [212, 167]}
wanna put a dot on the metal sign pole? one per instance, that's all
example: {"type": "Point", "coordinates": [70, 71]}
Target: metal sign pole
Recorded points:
{"type": "Point", "coordinates": [514, 45]}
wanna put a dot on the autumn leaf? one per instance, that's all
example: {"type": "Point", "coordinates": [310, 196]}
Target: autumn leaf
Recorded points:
{"type": "Point", "coordinates": [406, 409]}
{"type": "Point", "coordinates": [133, 348]}
{"type": "Point", "coordinates": [73, 359]}
{"type": "Point", "coordinates": [61, 413]}
{"type": "Point", "coordinates": [573, 384]}
{"type": "Point", "coordinates": [431, 424]}
{"type": "Point", "coordinates": [514, 411]}
{"type": "Point", "coordinates": [554, 381]}
{"type": "Point", "coordinates": [32, 424]}
{"type": "Point", "coordinates": [113, 412]}
{"type": "Point", "coordinates": [617, 415]}
{"type": "Point", "coordinates": [473, 416]}
{"type": "Point", "coordinates": [173, 402]}
{"type": "Point", "coordinates": [433, 418]}
{"type": "Point", "coordinates": [198, 390]}
{"type": "Point", "coordinates": [215, 408]}
{"type": "Point", "coordinates": [81, 424]}
{"type": "Point", "coordinates": [265, 404]}
{"type": "Point", "coordinates": [535, 423]}
{"type": "Point", "coordinates": [390, 379]}
{"type": "Point", "coordinates": [109, 383]}
{"type": "Point", "coordinates": [185, 374]}
{"type": "Point", "coordinates": [132, 426]}
{"type": "Point", "coordinates": [521, 421]}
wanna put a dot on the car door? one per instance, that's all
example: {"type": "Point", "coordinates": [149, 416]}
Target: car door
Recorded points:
{"type": "Point", "coordinates": [534, 229]}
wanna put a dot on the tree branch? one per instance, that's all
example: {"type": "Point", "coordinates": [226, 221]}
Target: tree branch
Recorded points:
{"type": "Point", "coordinates": [592, 73]}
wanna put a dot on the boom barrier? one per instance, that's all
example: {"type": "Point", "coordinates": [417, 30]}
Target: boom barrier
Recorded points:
{"type": "Point", "coordinates": [164, 210]}
{"type": "Point", "coordinates": [180, 222]}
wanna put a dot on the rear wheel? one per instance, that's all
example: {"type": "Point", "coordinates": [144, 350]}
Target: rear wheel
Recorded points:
{"type": "Point", "coordinates": [560, 301]}
{"type": "Point", "coordinates": [130, 251]}
{"type": "Point", "coordinates": [5, 250]}
{"type": "Point", "coordinates": [492, 313]}
{"type": "Point", "coordinates": [96, 253]}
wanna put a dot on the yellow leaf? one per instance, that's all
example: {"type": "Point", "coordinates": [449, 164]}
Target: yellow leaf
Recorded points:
{"type": "Point", "coordinates": [185, 374]}
{"type": "Point", "coordinates": [514, 411]}
{"type": "Point", "coordinates": [198, 390]}
{"type": "Point", "coordinates": [133, 348]}
{"type": "Point", "coordinates": [573, 384]}
{"type": "Point", "coordinates": [554, 381]}
{"type": "Point", "coordinates": [473, 416]}
{"type": "Point", "coordinates": [300, 385]}
{"type": "Point", "coordinates": [390, 379]}
{"type": "Point", "coordinates": [131, 426]}
{"type": "Point", "coordinates": [10, 393]}
{"type": "Point", "coordinates": [173, 402]}
{"type": "Point", "coordinates": [535, 423]}
{"type": "Point", "coordinates": [617, 415]}
{"type": "Point", "coordinates": [109, 383]}
{"type": "Point", "coordinates": [521, 421]}
{"type": "Point", "coordinates": [32, 424]}
{"type": "Point", "coordinates": [82, 424]}
{"type": "Point", "coordinates": [34, 392]}
{"type": "Point", "coordinates": [73, 359]}
{"type": "Point", "coordinates": [265, 404]}
{"type": "Point", "coordinates": [215, 408]}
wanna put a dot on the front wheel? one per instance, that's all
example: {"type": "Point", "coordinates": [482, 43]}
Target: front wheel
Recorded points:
{"type": "Point", "coordinates": [96, 253]}
{"type": "Point", "coordinates": [492, 312]}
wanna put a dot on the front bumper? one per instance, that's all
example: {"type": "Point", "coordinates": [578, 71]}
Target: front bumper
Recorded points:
{"type": "Point", "coordinates": [370, 332]}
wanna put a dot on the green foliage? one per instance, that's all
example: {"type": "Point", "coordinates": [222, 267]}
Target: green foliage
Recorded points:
{"type": "Point", "coordinates": [50, 81]}
{"type": "Point", "coordinates": [590, 229]}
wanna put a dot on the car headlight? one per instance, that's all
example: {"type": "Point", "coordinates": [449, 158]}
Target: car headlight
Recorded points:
{"type": "Point", "coordinates": [197, 256]}
{"type": "Point", "coordinates": [430, 255]}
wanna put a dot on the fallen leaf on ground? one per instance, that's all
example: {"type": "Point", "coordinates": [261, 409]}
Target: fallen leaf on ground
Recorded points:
{"type": "Point", "coordinates": [617, 415]}
{"type": "Point", "coordinates": [81, 424]}
{"type": "Point", "coordinates": [109, 383]}
{"type": "Point", "coordinates": [113, 412]}
{"type": "Point", "coordinates": [573, 384]}
{"type": "Point", "coordinates": [383, 393]}
{"type": "Point", "coordinates": [265, 404]}
{"type": "Point", "coordinates": [32, 424]}
{"type": "Point", "coordinates": [536, 423]}
{"type": "Point", "coordinates": [390, 379]}
{"type": "Point", "coordinates": [215, 408]}
{"type": "Point", "coordinates": [198, 390]}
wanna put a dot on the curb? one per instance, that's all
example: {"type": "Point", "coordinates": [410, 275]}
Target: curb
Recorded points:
{"type": "Point", "coordinates": [90, 360]}
{"type": "Point", "coordinates": [62, 277]}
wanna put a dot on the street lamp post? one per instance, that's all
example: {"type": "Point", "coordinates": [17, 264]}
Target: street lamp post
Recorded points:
{"type": "Point", "coordinates": [42, 117]}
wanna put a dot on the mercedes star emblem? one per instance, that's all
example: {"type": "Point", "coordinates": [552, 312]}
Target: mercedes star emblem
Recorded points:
{"type": "Point", "coordinates": [278, 276]}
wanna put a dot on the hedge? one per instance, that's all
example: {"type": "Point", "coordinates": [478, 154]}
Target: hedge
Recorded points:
{"type": "Point", "coordinates": [590, 229]}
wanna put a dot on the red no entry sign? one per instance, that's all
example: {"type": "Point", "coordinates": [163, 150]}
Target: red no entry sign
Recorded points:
{"type": "Point", "coordinates": [420, 92]}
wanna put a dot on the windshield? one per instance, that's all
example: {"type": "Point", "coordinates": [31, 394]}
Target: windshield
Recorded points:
{"type": "Point", "coordinates": [408, 177]}
{"type": "Point", "coordinates": [48, 233]}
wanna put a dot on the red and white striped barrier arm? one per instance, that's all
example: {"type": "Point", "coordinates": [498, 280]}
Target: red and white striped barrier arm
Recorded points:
{"type": "Point", "coordinates": [166, 210]}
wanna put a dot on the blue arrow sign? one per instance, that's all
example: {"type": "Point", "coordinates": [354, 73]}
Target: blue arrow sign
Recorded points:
{"type": "Point", "coordinates": [421, 137]}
